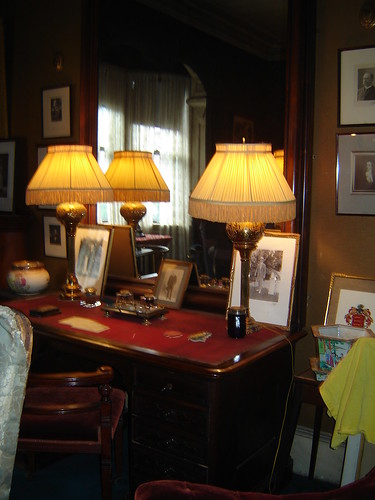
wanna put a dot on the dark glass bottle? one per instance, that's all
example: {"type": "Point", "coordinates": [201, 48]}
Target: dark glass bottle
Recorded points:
{"type": "Point", "coordinates": [237, 322]}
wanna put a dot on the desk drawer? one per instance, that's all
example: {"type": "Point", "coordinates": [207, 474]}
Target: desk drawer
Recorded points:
{"type": "Point", "coordinates": [189, 418]}
{"type": "Point", "coordinates": [169, 384]}
{"type": "Point", "coordinates": [149, 466]}
{"type": "Point", "coordinates": [167, 439]}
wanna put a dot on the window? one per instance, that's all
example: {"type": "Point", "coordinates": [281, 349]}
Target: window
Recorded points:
{"type": "Point", "coordinates": [149, 112]}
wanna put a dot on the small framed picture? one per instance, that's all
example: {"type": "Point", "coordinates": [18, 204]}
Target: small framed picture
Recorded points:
{"type": "Point", "coordinates": [243, 130]}
{"type": "Point", "coordinates": [56, 112]}
{"type": "Point", "coordinates": [357, 86]}
{"type": "Point", "coordinates": [351, 301]}
{"type": "Point", "coordinates": [273, 270]}
{"type": "Point", "coordinates": [54, 238]}
{"type": "Point", "coordinates": [355, 174]}
{"type": "Point", "coordinates": [7, 154]}
{"type": "Point", "coordinates": [92, 252]}
{"type": "Point", "coordinates": [173, 279]}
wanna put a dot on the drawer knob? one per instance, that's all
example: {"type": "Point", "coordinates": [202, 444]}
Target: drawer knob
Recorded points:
{"type": "Point", "coordinates": [168, 413]}
{"type": "Point", "coordinates": [169, 442]}
{"type": "Point", "coordinates": [167, 387]}
{"type": "Point", "coordinates": [169, 472]}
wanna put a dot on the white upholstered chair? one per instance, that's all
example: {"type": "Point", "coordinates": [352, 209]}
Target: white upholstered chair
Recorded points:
{"type": "Point", "coordinates": [15, 355]}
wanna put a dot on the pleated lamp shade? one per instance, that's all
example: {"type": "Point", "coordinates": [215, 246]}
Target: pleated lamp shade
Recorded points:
{"type": "Point", "coordinates": [134, 176]}
{"type": "Point", "coordinates": [241, 183]}
{"type": "Point", "coordinates": [279, 155]}
{"type": "Point", "coordinates": [68, 173]}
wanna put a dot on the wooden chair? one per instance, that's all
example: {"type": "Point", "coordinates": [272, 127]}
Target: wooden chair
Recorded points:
{"type": "Point", "coordinates": [76, 412]}
{"type": "Point", "coordinates": [159, 253]}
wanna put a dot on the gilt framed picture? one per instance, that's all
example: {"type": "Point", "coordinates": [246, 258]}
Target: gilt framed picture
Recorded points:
{"type": "Point", "coordinates": [7, 154]}
{"type": "Point", "coordinates": [173, 279]}
{"type": "Point", "coordinates": [92, 252]}
{"type": "Point", "coordinates": [357, 86]}
{"type": "Point", "coordinates": [355, 174]}
{"type": "Point", "coordinates": [351, 301]}
{"type": "Point", "coordinates": [273, 269]}
{"type": "Point", "coordinates": [56, 112]}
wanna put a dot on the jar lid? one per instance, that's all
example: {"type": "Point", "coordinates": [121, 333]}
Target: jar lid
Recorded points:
{"type": "Point", "coordinates": [27, 264]}
{"type": "Point", "coordinates": [237, 310]}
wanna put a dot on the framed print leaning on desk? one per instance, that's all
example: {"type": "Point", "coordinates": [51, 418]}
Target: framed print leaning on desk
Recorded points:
{"type": "Point", "coordinates": [273, 267]}
{"type": "Point", "coordinates": [92, 250]}
{"type": "Point", "coordinates": [173, 279]}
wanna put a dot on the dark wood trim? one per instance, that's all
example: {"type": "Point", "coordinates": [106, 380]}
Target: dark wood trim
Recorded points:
{"type": "Point", "coordinates": [88, 121]}
{"type": "Point", "coordinates": [197, 298]}
{"type": "Point", "coordinates": [298, 135]}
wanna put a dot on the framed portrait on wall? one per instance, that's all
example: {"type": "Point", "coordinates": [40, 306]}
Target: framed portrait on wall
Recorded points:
{"type": "Point", "coordinates": [56, 112]}
{"type": "Point", "coordinates": [7, 156]}
{"type": "Point", "coordinates": [54, 238]}
{"type": "Point", "coordinates": [273, 270]}
{"type": "Point", "coordinates": [243, 130]}
{"type": "Point", "coordinates": [357, 86]}
{"type": "Point", "coordinates": [355, 174]}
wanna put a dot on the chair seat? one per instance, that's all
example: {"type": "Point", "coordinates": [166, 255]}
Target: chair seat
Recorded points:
{"type": "Point", "coordinates": [74, 412]}
{"type": "Point", "coordinates": [68, 426]}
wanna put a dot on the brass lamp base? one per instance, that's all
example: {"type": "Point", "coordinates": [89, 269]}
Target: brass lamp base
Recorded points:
{"type": "Point", "coordinates": [245, 237]}
{"type": "Point", "coordinates": [70, 215]}
{"type": "Point", "coordinates": [133, 211]}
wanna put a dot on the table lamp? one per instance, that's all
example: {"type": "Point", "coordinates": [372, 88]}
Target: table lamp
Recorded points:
{"type": "Point", "coordinates": [244, 187]}
{"type": "Point", "coordinates": [134, 178]}
{"type": "Point", "coordinates": [279, 155]}
{"type": "Point", "coordinates": [69, 176]}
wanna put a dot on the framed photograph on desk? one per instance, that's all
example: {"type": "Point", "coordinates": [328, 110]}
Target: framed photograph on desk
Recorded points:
{"type": "Point", "coordinates": [273, 270]}
{"type": "Point", "coordinates": [173, 279]}
{"type": "Point", "coordinates": [122, 261]}
{"type": "Point", "coordinates": [92, 249]}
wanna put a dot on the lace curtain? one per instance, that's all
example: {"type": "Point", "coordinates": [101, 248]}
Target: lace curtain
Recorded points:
{"type": "Point", "coordinates": [148, 112]}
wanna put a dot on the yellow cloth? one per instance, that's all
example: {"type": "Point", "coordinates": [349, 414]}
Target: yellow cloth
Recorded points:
{"type": "Point", "coordinates": [349, 393]}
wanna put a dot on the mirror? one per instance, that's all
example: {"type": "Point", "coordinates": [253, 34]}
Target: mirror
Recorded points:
{"type": "Point", "coordinates": [240, 90]}
{"type": "Point", "coordinates": [298, 99]}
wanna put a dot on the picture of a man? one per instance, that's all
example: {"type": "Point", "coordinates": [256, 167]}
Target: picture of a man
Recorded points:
{"type": "Point", "coordinates": [364, 176]}
{"type": "Point", "coordinates": [367, 91]}
{"type": "Point", "coordinates": [260, 274]}
{"type": "Point", "coordinates": [55, 234]}
{"type": "Point", "coordinates": [56, 109]}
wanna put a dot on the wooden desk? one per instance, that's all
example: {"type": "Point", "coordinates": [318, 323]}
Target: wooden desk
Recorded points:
{"type": "Point", "coordinates": [205, 412]}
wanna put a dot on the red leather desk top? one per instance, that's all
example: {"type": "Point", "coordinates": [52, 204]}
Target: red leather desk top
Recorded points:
{"type": "Point", "coordinates": [129, 332]}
